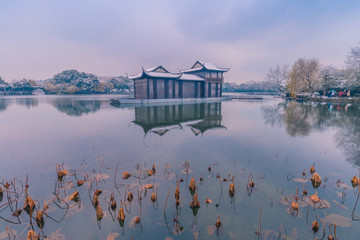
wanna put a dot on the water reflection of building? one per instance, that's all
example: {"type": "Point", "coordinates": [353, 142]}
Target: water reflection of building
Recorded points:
{"type": "Point", "coordinates": [199, 117]}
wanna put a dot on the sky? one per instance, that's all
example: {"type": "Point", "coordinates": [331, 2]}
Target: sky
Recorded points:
{"type": "Point", "coordinates": [40, 38]}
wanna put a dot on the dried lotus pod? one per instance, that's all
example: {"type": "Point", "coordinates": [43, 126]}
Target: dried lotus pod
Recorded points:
{"type": "Point", "coordinates": [29, 205]}
{"type": "Point", "coordinates": [154, 168]}
{"type": "Point", "coordinates": [316, 180]}
{"type": "Point", "coordinates": [218, 222]}
{"type": "Point", "coordinates": [231, 189]}
{"type": "Point", "coordinates": [137, 220]}
{"type": "Point", "coordinates": [153, 197]}
{"type": "Point", "coordinates": [195, 202]}
{"type": "Point", "coordinates": [80, 182]}
{"type": "Point", "coordinates": [208, 201]}
{"type": "Point", "coordinates": [1, 194]}
{"type": "Point", "coordinates": [75, 196]}
{"type": "Point", "coordinates": [126, 175]}
{"type": "Point", "coordinates": [17, 213]}
{"type": "Point", "coordinates": [354, 181]}
{"type": "Point", "coordinates": [95, 201]}
{"type": "Point", "coordinates": [40, 219]}
{"type": "Point", "coordinates": [294, 206]}
{"type": "Point", "coordinates": [113, 205]}
{"type": "Point", "coordinates": [315, 226]}
{"type": "Point", "coordinates": [31, 235]}
{"type": "Point", "coordinates": [312, 170]}
{"type": "Point", "coordinates": [150, 172]}
{"type": "Point", "coordinates": [148, 186]}
{"type": "Point", "coordinates": [121, 215]}
{"type": "Point", "coordinates": [99, 213]}
{"type": "Point", "coordinates": [314, 198]}
{"type": "Point", "coordinates": [177, 191]}
{"type": "Point", "coordinates": [98, 192]}
{"type": "Point", "coordinates": [209, 168]}
{"type": "Point", "coordinates": [192, 185]}
{"type": "Point", "coordinates": [130, 197]}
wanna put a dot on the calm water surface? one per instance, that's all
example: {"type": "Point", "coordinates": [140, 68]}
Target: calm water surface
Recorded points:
{"type": "Point", "coordinates": [272, 140]}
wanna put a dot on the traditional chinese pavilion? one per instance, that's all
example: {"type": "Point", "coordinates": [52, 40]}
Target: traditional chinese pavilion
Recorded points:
{"type": "Point", "coordinates": [202, 80]}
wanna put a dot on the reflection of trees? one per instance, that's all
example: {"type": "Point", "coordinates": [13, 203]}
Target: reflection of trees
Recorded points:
{"type": "Point", "coordinates": [3, 104]}
{"type": "Point", "coordinates": [303, 118]}
{"type": "Point", "coordinates": [28, 102]}
{"type": "Point", "coordinates": [76, 107]}
{"type": "Point", "coordinates": [296, 117]}
{"type": "Point", "coordinates": [273, 115]}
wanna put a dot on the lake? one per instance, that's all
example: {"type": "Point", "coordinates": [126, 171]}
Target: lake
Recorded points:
{"type": "Point", "coordinates": [270, 143]}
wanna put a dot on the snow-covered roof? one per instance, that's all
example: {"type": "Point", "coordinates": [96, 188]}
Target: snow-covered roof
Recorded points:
{"type": "Point", "coordinates": [161, 72]}
{"type": "Point", "coordinates": [191, 77]}
{"type": "Point", "coordinates": [199, 65]}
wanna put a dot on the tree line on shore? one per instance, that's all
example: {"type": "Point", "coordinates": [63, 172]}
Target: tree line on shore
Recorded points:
{"type": "Point", "coordinates": [307, 75]}
{"type": "Point", "coordinates": [70, 82]}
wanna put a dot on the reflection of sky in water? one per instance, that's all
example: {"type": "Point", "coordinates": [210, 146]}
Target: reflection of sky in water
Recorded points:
{"type": "Point", "coordinates": [268, 138]}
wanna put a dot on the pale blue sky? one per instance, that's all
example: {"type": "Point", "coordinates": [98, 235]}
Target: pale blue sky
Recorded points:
{"type": "Point", "coordinates": [40, 38]}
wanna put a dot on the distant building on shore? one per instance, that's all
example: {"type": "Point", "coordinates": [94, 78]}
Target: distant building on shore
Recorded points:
{"type": "Point", "coordinates": [202, 80]}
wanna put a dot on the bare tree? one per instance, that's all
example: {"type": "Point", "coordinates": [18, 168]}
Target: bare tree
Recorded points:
{"type": "Point", "coordinates": [277, 77]}
{"type": "Point", "coordinates": [304, 75]}
{"type": "Point", "coordinates": [332, 77]}
{"type": "Point", "coordinates": [353, 69]}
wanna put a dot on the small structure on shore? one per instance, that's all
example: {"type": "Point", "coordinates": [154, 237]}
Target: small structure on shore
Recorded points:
{"type": "Point", "coordinates": [202, 80]}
